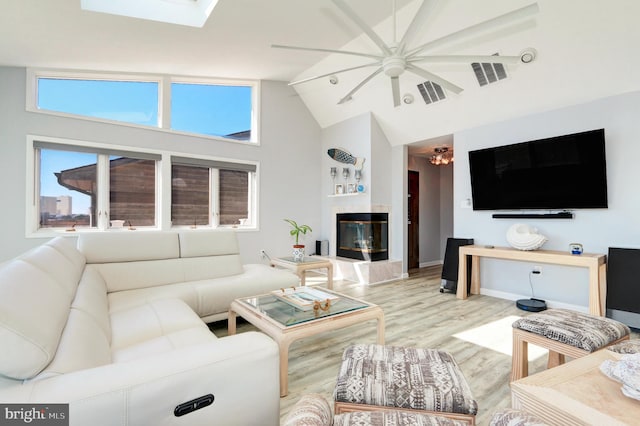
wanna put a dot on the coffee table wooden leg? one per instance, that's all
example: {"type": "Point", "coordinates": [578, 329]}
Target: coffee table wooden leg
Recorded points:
{"type": "Point", "coordinates": [330, 276]}
{"type": "Point", "coordinates": [231, 323]}
{"type": "Point", "coordinates": [284, 367]}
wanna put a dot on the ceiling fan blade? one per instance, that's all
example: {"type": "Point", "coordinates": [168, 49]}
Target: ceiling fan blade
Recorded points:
{"type": "Point", "coordinates": [468, 59]}
{"type": "Point", "coordinates": [304, 80]}
{"type": "Point", "coordinates": [359, 86]}
{"type": "Point", "coordinates": [420, 17]}
{"type": "Point", "coordinates": [363, 26]}
{"type": "Point", "coordinates": [507, 18]}
{"type": "Point", "coordinates": [315, 49]}
{"type": "Point", "coordinates": [395, 88]}
{"type": "Point", "coordinates": [432, 77]}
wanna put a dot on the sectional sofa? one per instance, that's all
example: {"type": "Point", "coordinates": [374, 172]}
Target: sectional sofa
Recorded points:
{"type": "Point", "coordinates": [115, 325]}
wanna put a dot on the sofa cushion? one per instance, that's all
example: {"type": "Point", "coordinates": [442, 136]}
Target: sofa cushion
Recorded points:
{"type": "Point", "coordinates": [151, 320]}
{"type": "Point", "coordinates": [82, 345]}
{"type": "Point", "coordinates": [199, 268]}
{"type": "Point", "coordinates": [217, 242]}
{"type": "Point", "coordinates": [60, 260]}
{"type": "Point", "coordinates": [67, 247]}
{"type": "Point", "coordinates": [208, 297]}
{"type": "Point", "coordinates": [86, 338]}
{"type": "Point", "coordinates": [165, 343]}
{"type": "Point", "coordinates": [120, 276]}
{"type": "Point", "coordinates": [91, 297]}
{"type": "Point", "coordinates": [34, 310]}
{"type": "Point", "coordinates": [128, 246]}
{"type": "Point", "coordinates": [210, 254]}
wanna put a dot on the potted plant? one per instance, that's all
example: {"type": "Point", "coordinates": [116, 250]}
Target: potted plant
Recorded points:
{"type": "Point", "coordinates": [296, 230]}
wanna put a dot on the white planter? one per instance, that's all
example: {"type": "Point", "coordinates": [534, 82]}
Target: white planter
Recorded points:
{"type": "Point", "coordinates": [298, 253]}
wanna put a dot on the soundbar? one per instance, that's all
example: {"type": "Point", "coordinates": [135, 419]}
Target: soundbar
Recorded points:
{"type": "Point", "coordinates": [559, 215]}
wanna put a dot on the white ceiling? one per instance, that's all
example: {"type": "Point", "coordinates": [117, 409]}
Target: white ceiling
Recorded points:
{"type": "Point", "coordinates": [235, 41]}
{"type": "Point", "coordinates": [586, 51]}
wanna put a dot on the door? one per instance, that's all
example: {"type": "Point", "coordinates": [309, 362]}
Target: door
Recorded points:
{"type": "Point", "coordinates": [413, 231]}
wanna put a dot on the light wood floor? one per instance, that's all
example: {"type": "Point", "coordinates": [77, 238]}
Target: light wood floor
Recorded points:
{"type": "Point", "coordinates": [416, 314]}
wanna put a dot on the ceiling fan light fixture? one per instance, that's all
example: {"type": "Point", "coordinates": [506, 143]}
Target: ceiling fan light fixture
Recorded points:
{"type": "Point", "coordinates": [396, 58]}
{"type": "Point", "coordinates": [441, 156]}
{"type": "Point", "coordinates": [394, 65]}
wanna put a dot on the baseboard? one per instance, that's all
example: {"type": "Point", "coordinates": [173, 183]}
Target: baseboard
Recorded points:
{"type": "Point", "coordinates": [431, 263]}
{"type": "Point", "coordinates": [550, 303]}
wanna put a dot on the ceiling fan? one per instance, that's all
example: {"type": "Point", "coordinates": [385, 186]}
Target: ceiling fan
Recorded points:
{"type": "Point", "coordinates": [396, 58]}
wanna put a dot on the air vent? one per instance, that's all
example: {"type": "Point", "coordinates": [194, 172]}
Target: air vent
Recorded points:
{"type": "Point", "coordinates": [487, 73]}
{"type": "Point", "coordinates": [431, 92]}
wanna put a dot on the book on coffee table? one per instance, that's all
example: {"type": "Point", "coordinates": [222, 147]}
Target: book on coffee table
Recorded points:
{"type": "Point", "coordinates": [303, 297]}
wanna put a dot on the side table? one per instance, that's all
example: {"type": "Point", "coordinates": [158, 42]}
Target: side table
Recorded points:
{"type": "Point", "coordinates": [301, 268]}
{"type": "Point", "coordinates": [576, 393]}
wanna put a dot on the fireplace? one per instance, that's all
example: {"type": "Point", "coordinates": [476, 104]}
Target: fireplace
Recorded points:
{"type": "Point", "coordinates": [362, 236]}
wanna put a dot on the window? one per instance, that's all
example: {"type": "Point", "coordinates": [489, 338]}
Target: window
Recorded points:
{"type": "Point", "coordinates": [213, 108]}
{"type": "Point", "coordinates": [209, 192]}
{"type": "Point", "coordinates": [190, 190]}
{"type": "Point", "coordinates": [79, 186]}
{"type": "Point", "coordinates": [84, 187]}
{"type": "Point", "coordinates": [65, 202]}
{"type": "Point", "coordinates": [133, 102]}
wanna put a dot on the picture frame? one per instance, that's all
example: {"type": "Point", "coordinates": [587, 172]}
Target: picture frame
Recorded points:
{"type": "Point", "coordinates": [339, 189]}
{"type": "Point", "coordinates": [351, 188]}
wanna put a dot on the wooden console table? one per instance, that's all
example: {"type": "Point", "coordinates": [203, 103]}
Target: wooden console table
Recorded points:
{"type": "Point", "coordinates": [576, 393]}
{"type": "Point", "coordinates": [596, 263]}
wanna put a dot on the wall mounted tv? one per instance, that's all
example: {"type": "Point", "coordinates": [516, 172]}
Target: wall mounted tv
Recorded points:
{"type": "Point", "coordinates": [563, 172]}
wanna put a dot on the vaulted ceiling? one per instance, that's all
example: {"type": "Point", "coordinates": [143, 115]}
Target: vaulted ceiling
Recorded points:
{"type": "Point", "coordinates": [585, 51]}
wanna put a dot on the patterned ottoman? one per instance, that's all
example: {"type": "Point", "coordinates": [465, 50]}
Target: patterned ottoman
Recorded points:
{"type": "Point", "coordinates": [377, 377]}
{"type": "Point", "coordinates": [627, 347]}
{"type": "Point", "coordinates": [511, 417]}
{"type": "Point", "coordinates": [563, 332]}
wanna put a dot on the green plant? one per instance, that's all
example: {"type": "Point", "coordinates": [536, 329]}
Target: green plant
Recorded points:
{"type": "Point", "coordinates": [296, 229]}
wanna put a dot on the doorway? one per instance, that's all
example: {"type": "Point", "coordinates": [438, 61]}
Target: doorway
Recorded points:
{"type": "Point", "coordinates": [413, 221]}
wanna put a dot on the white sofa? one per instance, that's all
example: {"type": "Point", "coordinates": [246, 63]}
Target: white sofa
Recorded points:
{"type": "Point", "coordinates": [114, 328]}
{"type": "Point", "coordinates": [202, 268]}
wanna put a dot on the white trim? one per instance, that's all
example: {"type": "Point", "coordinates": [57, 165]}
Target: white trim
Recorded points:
{"type": "Point", "coordinates": [513, 296]}
{"type": "Point", "coordinates": [164, 98]}
{"type": "Point", "coordinates": [431, 263]}
{"type": "Point", "coordinates": [163, 188]}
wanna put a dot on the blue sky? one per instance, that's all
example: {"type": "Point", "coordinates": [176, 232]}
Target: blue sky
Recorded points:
{"type": "Point", "coordinates": [205, 109]}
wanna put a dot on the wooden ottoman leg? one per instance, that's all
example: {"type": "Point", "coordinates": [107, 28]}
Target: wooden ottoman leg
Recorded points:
{"type": "Point", "coordinates": [519, 356]}
{"type": "Point", "coordinates": [555, 359]}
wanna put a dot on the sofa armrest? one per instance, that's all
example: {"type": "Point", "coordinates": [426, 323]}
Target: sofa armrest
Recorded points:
{"type": "Point", "coordinates": [311, 410]}
{"type": "Point", "coordinates": [240, 371]}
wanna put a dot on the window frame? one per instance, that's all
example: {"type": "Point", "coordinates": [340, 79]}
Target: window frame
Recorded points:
{"type": "Point", "coordinates": [162, 192]}
{"type": "Point", "coordinates": [164, 98]}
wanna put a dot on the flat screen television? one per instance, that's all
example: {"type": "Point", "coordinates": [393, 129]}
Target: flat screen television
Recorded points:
{"type": "Point", "coordinates": [562, 172]}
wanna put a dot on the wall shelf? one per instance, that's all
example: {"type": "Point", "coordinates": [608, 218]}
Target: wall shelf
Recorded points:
{"type": "Point", "coordinates": [345, 195]}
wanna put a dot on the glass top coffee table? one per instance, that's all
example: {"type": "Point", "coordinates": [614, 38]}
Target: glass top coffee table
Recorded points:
{"type": "Point", "coordinates": [285, 323]}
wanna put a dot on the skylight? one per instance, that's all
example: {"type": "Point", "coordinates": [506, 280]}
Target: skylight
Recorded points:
{"type": "Point", "coordinates": [193, 13]}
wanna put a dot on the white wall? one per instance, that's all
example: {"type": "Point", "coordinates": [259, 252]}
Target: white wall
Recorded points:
{"type": "Point", "coordinates": [596, 229]}
{"type": "Point", "coordinates": [289, 170]}
{"type": "Point", "coordinates": [362, 137]}
{"type": "Point", "coordinates": [446, 207]}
